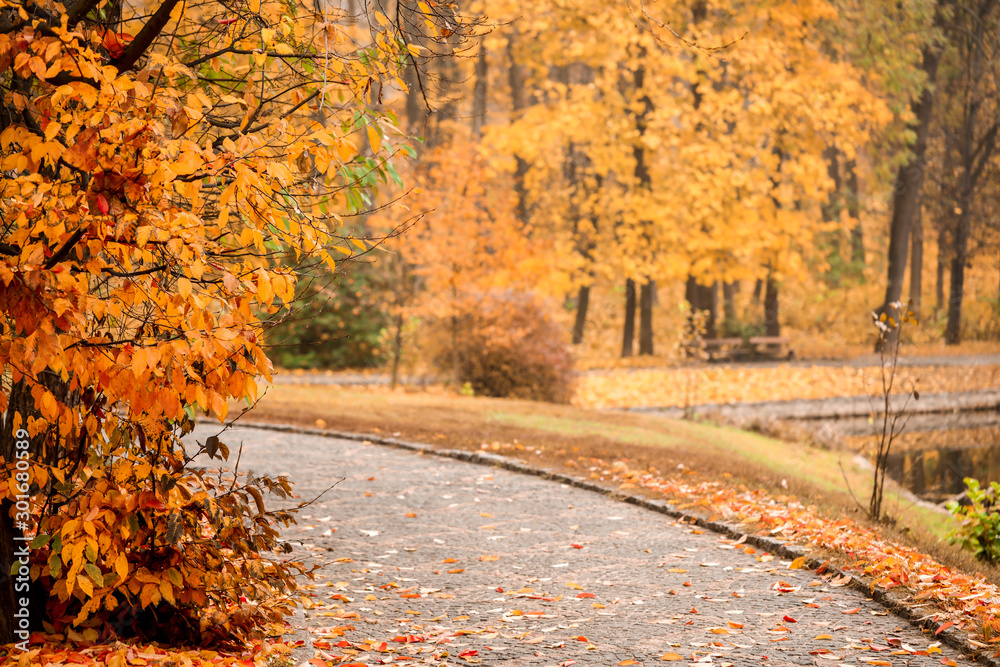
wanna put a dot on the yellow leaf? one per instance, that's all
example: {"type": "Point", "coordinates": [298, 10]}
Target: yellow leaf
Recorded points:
{"type": "Point", "coordinates": [798, 563]}
{"type": "Point", "coordinates": [374, 139]}
{"type": "Point", "coordinates": [121, 566]}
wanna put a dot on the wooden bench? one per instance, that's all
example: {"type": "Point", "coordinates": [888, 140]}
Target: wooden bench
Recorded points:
{"type": "Point", "coordinates": [727, 348]}
{"type": "Point", "coordinates": [755, 347]}
{"type": "Point", "coordinates": [773, 347]}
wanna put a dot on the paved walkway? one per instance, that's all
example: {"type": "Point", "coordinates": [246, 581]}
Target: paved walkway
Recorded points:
{"type": "Point", "coordinates": [434, 561]}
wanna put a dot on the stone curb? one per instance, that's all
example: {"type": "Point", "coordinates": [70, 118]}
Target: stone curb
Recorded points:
{"type": "Point", "coordinates": [893, 604]}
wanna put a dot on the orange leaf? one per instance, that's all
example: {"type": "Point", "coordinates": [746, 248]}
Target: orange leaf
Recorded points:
{"type": "Point", "coordinates": [671, 656]}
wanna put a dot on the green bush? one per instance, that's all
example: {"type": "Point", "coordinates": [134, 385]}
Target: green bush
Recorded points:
{"type": "Point", "coordinates": [979, 531]}
{"type": "Point", "coordinates": [333, 325]}
{"type": "Point", "coordinates": [505, 344]}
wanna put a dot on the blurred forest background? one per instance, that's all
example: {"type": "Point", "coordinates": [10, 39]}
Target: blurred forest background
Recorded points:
{"type": "Point", "coordinates": [621, 178]}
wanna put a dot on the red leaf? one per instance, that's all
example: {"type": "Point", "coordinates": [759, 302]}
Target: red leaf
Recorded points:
{"type": "Point", "coordinates": [577, 546]}
{"type": "Point", "coordinates": [585, 595]}
{"type": "Point", "coordinates": [581, 638]}
{"type": "Point", "coordinates": [943, 627]}
{"type": "Point", "coordinates": [102, 202]}
{"type": "Point", "coordinates": [470, 652]}
{"type": "Point", "coordinates": [788, 619]}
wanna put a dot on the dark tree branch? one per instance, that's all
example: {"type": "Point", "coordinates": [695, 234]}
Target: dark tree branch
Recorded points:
{"type": "Point", "coordinates": [150, 31]}
{"type": "Point", "coordinates": [60, 254]}
{"type": "Point", "coordinates": [132, 274]}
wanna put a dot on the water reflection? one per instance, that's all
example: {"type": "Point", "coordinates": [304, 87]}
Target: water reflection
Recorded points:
{"type": "Point", "coordinates": [937, 474]}
{"type": "Point", "coordinates": [936, 452]}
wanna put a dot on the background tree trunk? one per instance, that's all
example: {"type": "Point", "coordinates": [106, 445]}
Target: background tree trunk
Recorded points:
{"type": "Point", "coordinates": [582, 304]}
{"type": "Point", "coordinates": [909, 181]}
{"type": "Point", "coordinates": [772, 325]}
{"type": "Point", "coordinates": [853, 201]}
{"type": "Point", "coordinates": [646, 295]}
{"type": "Point", "coordinates": [729, 323]}
{"type": "Point", "coordinates": [479, 93]}
{"type": "Point", "coordinates": [519, 100]}
{"type": "Point", "coordinates": [953, 330]}
{"type": "Point", "coordinates": [644, 178]}
{"type": "Point", "coordinates": [917, 261]}
{"type": "Point", "coordinates": [628, 331]}
{"type": "Point", "coordinates": [942, 262]}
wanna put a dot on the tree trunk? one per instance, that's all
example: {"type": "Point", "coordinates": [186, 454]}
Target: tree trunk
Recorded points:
{"type": "Point", "coordinates": [646, 317]}
{"type": "Point", "coordinates": [729, 323]}
{"type": "Point", "coordinates": [909, 181]}
{"type": "Point", "coordinates": [644, 179]}
{"type": "Point", "coordinates": [975, 154]}
{"type": "Point", "coordinates": [953, 330]}
{"type": "Point", "coordinates": [772, 325]}
{"type": "Point", "coordinates": [942, 262]}
{"type": "Point", "coordinates": [582, 304]}
{"type": "Point", "coordinates": [708, 298]}
{"type": "Point", "coordinates": [519, 100]}
{"type": "Point", "coordinates": [758, 287]}
{"type": "Point", "coordinates": [628, 331]}
{"type": "Point", "coordinates": [853, 201]}
{"type": "Point", "coordinates": [397, 350]}
{"type": "Point", "coordinates": [413, 97]}
{"type": "Point", "coordinates": [479, 93]}
{"type": "Point", "coordinates": [917, 261]}
{"type": "Point", "coordinates": [704, 298]}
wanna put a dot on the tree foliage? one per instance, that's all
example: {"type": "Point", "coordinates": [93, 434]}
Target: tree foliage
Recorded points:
{"type": "Point", "coordinates": [163, 169]}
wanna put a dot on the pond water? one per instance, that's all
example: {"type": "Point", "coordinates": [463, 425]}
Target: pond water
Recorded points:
{"type": "Point", "coordinates": [938, 474]}
{"type": "Point", "coordinates": [936, 452]}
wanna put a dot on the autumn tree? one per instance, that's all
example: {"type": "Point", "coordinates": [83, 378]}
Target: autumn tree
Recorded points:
{"type": "Point", "coordinates": [163, 171]}
{"type": "Point", "coordinates": [970, 127]}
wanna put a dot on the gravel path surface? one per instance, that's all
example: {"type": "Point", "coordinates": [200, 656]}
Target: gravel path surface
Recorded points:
{"type": "Point", "coordinates": [430, 560]}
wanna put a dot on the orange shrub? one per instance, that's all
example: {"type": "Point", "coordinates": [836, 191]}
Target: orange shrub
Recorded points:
{"type": "Point", "coordinates": [505, 344]}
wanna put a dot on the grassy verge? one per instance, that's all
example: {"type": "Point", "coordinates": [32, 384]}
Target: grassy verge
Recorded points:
{"type": "Point", "coordinates": [566, 436]}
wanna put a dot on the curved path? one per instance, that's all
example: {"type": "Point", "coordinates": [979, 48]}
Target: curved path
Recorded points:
{"type": "Point", "coordinates": [469, 564]}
